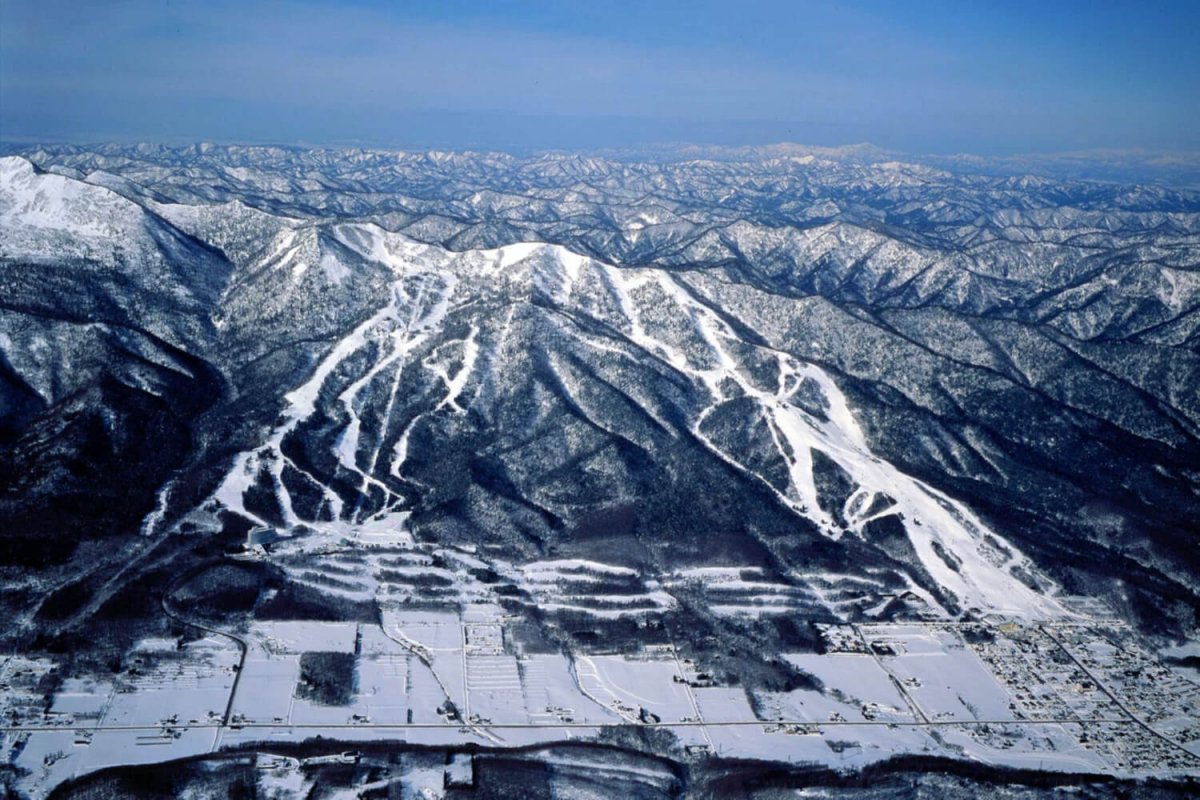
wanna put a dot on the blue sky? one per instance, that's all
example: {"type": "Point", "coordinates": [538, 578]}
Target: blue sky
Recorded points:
{"type": "Point", "coordinates": [918, 75]}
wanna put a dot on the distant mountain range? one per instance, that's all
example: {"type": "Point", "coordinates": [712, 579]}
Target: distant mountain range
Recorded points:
{"type": "Point", "coordinates": [895, 389]}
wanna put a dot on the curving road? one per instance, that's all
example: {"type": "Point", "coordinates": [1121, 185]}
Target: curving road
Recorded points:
{"type": "Point", "coordinates": [239, 641]}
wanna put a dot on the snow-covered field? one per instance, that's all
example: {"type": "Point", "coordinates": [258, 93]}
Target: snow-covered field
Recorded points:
{"type": "Point", "coordinates": [912, 688]}
{"type": "Point", "coordinates": [855, 686]}
{"type": "Point", "coordinates": [945, 679]}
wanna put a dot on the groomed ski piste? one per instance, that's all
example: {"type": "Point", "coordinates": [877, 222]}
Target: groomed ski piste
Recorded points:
{"type": "Point", "coordinates": [1024, 681]}
{"type": "Point", "coordinates": [972, 564]}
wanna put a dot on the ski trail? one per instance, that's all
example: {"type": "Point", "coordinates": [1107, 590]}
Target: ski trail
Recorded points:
{"type": "Point", "coordinates": [976, 567]}
{"type": "Point", "coordinates": [331, 497]}
{"type": "Point", "coordinates": [984, 575]}
{"type": "Point", "coordinates": [400, 451]}
{"type": "Point", "coordinates": [301, 403]}
{"type": "Point", "coordinates": [155, 517]}
{"type": "Point", "coordinates": [457, 382]}
{"type": "Point", "coordinates": [403, 341]}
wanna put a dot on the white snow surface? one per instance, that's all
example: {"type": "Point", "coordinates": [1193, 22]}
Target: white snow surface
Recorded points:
{"type": "Point", "coordinates": [970, 562]}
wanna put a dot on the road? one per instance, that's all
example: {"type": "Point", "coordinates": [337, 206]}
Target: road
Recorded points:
{"type": "Point", "coordinates": [920, 719]}
{"type": "Point", "coordinates": [912, 704]}
{"type": "Point", "coordinates": [239, 641]}
{"type": "Point", "coordinates": [489, 730]}
{"type": "Point", "coordinates": [580, 725]}
{"type": "Point", "coordinates": [1113, 696]}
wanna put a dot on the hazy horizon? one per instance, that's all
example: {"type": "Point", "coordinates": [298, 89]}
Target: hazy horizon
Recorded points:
{"type": "Point", "coordinates": [931, 77]}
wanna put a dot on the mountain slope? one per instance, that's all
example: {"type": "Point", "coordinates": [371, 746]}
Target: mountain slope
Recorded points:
{"type": "Point", "coordinates": [864, 378]}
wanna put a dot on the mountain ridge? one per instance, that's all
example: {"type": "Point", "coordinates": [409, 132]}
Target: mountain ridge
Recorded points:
{"type": "Point", "coordinates": [935, 379]}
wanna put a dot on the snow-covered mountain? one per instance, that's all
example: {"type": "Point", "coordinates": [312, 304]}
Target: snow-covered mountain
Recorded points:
{"type": "Point", "coordinates": [886, 389]}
